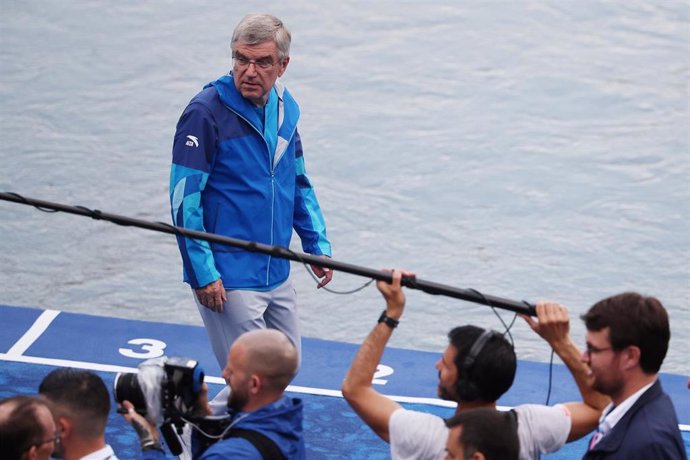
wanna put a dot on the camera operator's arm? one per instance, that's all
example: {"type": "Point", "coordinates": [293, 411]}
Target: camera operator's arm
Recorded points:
{"type": "Point", "coordinates": [553, 325]}
{"type": "Point", "coordinates": [148, 433]}
{"type": "Point", "coordinates": [373, 407]}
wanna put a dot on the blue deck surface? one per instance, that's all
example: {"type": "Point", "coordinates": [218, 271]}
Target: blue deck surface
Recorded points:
{"type": "Point", "coordinates": [333, 430]}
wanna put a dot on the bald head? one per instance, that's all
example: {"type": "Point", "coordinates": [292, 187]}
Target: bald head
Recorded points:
{"type": "Point", "coordinates": [270, 354]}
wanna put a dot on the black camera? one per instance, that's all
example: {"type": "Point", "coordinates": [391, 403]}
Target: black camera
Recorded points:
{"type": "Point", "coordinates": [164, 390]}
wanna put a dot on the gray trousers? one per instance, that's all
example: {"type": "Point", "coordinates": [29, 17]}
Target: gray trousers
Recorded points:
{"type": "Point", "coordinates": [249, 310]}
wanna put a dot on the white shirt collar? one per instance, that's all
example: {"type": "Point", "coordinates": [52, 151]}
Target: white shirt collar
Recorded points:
{"type": "Point", "coordinates": [609, 419]}
{"type": "Point", "coordinates": [102, 454]}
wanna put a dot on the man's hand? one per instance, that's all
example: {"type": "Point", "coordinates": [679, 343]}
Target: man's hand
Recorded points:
{"type": "Point", "coordinates": [147, 432]}
{"type": "Point", "coordinates": [322, 272]}
{"type": "Point", "coordinates": [552, 324]}
{"type": "Point", "coordinates": [212, 295]}
{"type": "Point", "coordinates": [201, 406]}
{"type": "Point", "coordinates": [392, 292]}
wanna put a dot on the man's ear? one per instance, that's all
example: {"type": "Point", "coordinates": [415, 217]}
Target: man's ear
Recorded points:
{"type": "Point", "coordinates": [283, 66]}
{"type": "Point", "coordinates": [64, 427]}
{"type": "Point", "coordinates": [631, 357]}
{"type": "Point", "coordinates": [478, 456]}
{"type": "Point", "coordinates": [255, 384]}
{"type": "Point", "coordinates": [32, 453]}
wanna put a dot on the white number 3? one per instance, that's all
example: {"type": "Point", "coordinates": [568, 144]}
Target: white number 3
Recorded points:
{"type": "Point", "coordinates": [152, 348]}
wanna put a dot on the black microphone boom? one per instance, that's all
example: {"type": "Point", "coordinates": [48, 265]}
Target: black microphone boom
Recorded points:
{"type": "Point", "coordinates": [429, 287]}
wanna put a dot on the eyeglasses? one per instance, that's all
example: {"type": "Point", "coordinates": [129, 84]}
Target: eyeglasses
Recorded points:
{"type": "Point", "coordinates": [54, 439]}
{"type": "Point", "coordinates": [242, 62]}
{"type": "Point", "coordinates": [590, 350]}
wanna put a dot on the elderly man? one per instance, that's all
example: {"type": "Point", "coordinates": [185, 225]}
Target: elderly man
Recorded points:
{"type": "Point", "coordinates": [238, 170]}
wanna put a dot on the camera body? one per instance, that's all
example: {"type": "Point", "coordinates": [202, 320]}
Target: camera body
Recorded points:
{"type": "Point", "coordinates": [182, 386]}
{"type": "Point", "coordinates": [164, 390]}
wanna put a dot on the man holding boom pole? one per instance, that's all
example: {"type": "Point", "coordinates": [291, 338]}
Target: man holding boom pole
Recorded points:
{"type": "Point", "coordinates": [476, 368]}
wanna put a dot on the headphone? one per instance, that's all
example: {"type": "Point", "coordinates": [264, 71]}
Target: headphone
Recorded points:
{"type": "Point", "coordinates": [465, 387]}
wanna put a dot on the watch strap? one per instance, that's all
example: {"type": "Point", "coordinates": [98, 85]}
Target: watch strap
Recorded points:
{"type": "Point", "coordinates": [390, 322]}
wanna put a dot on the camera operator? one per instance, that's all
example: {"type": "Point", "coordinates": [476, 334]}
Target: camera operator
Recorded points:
{"type": "Point", "coordinates": [80, 405]}
{"type": "Point", "coordinates": [263, 422]}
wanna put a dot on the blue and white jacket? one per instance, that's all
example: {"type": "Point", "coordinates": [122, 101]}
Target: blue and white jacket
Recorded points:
{"type": "Point", "coordinates": [226, 180]}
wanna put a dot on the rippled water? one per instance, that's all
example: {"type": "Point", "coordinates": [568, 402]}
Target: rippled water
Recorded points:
{"type": "Point", "coordinates": [530, 150]}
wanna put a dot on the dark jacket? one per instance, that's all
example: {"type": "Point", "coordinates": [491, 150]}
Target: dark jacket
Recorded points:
{"type": "Point", "coordinates": [648, 431]}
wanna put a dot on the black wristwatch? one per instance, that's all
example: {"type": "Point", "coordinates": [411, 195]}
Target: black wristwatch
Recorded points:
{"type": "Point", "coordinates": [390, 322]}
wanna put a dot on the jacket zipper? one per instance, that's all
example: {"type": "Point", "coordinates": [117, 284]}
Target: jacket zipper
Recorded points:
{"type": "Point", "coordinates": [273, 187]}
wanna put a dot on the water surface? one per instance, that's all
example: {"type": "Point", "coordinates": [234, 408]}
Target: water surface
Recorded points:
{"type": "Point", "coordinates": [530, 150]}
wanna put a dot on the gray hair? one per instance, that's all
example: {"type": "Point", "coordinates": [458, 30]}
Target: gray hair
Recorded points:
{"type": "Point", "coordinates": [257, 28]}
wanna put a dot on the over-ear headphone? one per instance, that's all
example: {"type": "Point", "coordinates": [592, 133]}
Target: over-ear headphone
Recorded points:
{"type": "Point", "coordinates": [465, 387]}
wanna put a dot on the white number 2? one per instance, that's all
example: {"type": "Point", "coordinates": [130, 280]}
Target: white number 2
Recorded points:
{"type": "Point", "coordinates": [152, 348]}
{"type": "Point", "coordinates": [382, 371]}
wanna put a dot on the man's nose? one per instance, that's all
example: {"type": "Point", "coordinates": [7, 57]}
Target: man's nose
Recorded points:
{"type": "Point", "coordinates": [251, 69]}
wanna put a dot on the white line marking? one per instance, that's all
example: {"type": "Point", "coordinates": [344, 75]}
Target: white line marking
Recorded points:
{"type": "Point", "coordinates": [66, 363]}
{"type": "Point", "coordinates": [221, 381]}
{"type": "Point", "coordinates": [208, 378]}
{"type": "Point", "coordinates": [37, 328]}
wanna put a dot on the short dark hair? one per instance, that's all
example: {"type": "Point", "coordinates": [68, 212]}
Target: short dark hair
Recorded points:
{"type": "Point", "coordinates": [80, 395]}
{"type": "Point", "coordinates": [489, 431]}
{"type": "Point", "coordinates": [19, 426]}
{"type": "Point", "coordinates": [494, 368]}
{"type": "Point", "coordinates": [636, 320]}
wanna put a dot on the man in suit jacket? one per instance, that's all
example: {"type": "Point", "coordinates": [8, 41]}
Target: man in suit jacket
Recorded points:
{"type": "Point", "coordinates": [627, 340]}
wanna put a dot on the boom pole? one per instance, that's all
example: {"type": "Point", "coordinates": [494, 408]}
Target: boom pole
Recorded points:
{"type": "Point", "coordinates": [429, 287]}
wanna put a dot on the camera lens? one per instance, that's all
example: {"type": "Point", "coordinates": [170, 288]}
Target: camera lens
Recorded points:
{"type": "Point", "coordinates": [126, 388]}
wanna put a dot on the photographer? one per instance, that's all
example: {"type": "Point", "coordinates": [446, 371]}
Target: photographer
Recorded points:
{"type": "Point", "coordinates": [263, 423]}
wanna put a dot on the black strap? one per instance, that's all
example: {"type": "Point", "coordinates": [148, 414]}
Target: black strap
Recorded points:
{"type": "Point", "coordinates": [265, 445]}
